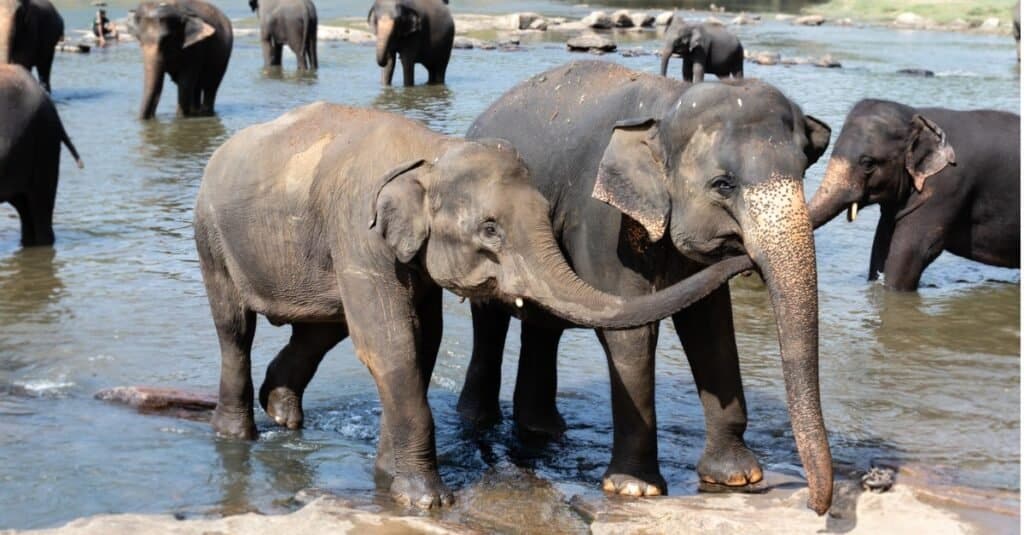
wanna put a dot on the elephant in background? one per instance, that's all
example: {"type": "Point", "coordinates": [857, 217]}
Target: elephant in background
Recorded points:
{"type": "Point", "coordinates": [30, 137]}
{"type": "Point", "coordinates": [418, 31]}
{"type": "Point", "coordinates": [29, 33]}
{"type": "Point", "coordinates": [704, 47]}
{"type": "Point", "coordinates": [944, 180]}
{"type": "Point", "coordinates": [343, 221]}
{"type": "Point", "coordinates": [191, 41]}
{"type": "Point", "coordinates": [649, 180]}
{"type": "Point", "coordinates": [287, 21]}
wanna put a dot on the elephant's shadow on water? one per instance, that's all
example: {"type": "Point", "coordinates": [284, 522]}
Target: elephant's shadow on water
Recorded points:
{"type": "Point", "coordinates": [181, 137]}
{"type": "Point", "coordinates": [29, 282]}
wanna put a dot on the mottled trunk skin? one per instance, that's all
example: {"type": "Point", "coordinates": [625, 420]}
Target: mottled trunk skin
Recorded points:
{"type": "Point", "coordinates": [836, 193]}
{"type": "Point", "coordinates": [153, 83]}
{"type": "Point", "coordinates": [385, 27]}
{"type": "Point", "coordinates": [666, 54]}
{"type": "Point", "coordinates": [781, 241]}
{"type": "Point", "coordinates": [6, 23]}
{"type": "Point", "coordinates": [547, 279]}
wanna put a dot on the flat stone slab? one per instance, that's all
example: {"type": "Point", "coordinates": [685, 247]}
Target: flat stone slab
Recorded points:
{"type": "Point", "coordinates": [166, 401]}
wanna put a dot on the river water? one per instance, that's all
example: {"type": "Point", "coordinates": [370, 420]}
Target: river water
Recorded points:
{"type": "Point", "coordinates": [930, 378]}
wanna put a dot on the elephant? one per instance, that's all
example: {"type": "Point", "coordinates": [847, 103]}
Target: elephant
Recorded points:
{"type": "Point", "coordinates": [1016, 27]}
{"type": "Point", "coordinates": [705, 48]}
{"type": "Point", "coordinates": [287, 21]}
{"type": "Point", "coordinates": [343, 221]}
{"type": "Point", "coordinates": [419, 31]}
{"type": "Point", "coordinates": [191, 41]}
{"type": "Point", "coordinates": [943, 179]}
{"type": "Point", "coordinates": [30, 137]}
{"type": "Point", "coordinates": [29, 32]}
{"type": "Point", "coordinates": [649, 179]}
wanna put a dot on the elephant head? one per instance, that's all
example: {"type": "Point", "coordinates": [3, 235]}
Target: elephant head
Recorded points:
{"type": "Point", "coordinates": [13, 14]}
{"type": "Point", "coordinates": [720, 174]}
{"type": "Point", "coordinates": [474, 222]}
{"type": "Point", "coordinates": [683, 38]}
{"type": "Point", "coordinates": [391, 20]}
{"type": "Point", "coordinates": [885, 152]}
{"type": "Point", "coordinates": [164, 30]}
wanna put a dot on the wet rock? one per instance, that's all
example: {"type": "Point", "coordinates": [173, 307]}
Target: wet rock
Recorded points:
{"type": "Point", "coordinates": [522, 21]}
{"type": "Point", "coordinates": [634, 52]}
{"type": "Point", "coordinates": [664, 18]}
{"type": "Point", "coordinates": [74, 48]}
{"type": "Point", "coordinates": [991, 23]}
{"type": "Point", "coordinates": [164, 401]}
{"type": "Point", "coordinates": [715, 21]}
{"type": "Point", "coordinates": [766, 58]}
{"type": "Point", "coordinates": [844, 22]}
{"type": "Point", "coordinates": [599, 20]}
{"type": "Point", "coordinates": [510, 499]}
{"type": "Point", "coordinates": [809, 20]}
{"type": "Point", "coordinates": [796, 61]}
{"type": "Point", "coordinates": [959, 25]}
{"type": "Point", "coordinates": [743, 19]}
{"type": "Point", "coordinates": [783, 17]}
{"type": "Point", "coordinates": [539, 24]}
{"type": "Point", "coordinates": [925, 73]}
{"type": "Point", "coordinates": [642, 19]}
{"type": "Point", "coordinates": [466, 43]}
{"type": "Point", "coordinates": [827, 62]}
{"type": "Point", "coordinates": [591, 42]}
{"type": "Point", "coordinates": [339, 33]}
{"type": "Point", "coordinates": [878, 479]}
{"type": "Point", "coordinates": [621, 19]}
{"type": "Point", "coordinates": [910, 20]}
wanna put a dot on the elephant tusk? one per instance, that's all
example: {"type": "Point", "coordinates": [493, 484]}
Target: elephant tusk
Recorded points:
{"type": "Point", "coordinates": [851, 213]}
{"type": "Point", "coordinates": [519, 302]}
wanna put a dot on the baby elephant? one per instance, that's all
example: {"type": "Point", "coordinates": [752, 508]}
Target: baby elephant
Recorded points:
{"type": "Point", "coordinates": [704, 48]}
{"type": "Point", "coordinates": [30, 138]}
{"type": "Point", "coordinates": [343, 221]}
{"type": "Point", "coordinates": [944, 179]}
{"type": "Point", "coordinates": [418, 31]}
{"type": "Point", "coordinates": [287, 21]}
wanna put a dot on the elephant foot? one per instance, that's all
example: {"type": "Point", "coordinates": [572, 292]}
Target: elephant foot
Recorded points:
{"type": "Point", "coordinates": [424, 491]}
{"type": "Point", "coordinates": [545, 424]}
{"type": "Point", "coordinates": [636, 485]}
{"type": "Point", "coordinates": [283, 406]}
{"type": "Point", "coordinates": [233, 424]}
{"type": "Point", "coordinates": [734, 467]}
{"type": "Point", "coordinates": [478, 413]}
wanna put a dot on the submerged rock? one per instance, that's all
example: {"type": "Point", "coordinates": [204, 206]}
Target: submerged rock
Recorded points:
{"type": "Point", "coordinates": [642, 19]}
{"type": "Point", "coordinates": [621, 19]}
{"type": "Point", "coordinates": [590, 42]}
{"type": "Point", "coordinates": [828, 62]}
{"type": "Point", "coordinates": [916, 72]}
{"type": "Point", "coordinates": [599, 20]}
{"type": "Point", "coordinates": [744, 19]}
{"type": "Point", "coordinates": [766, 58]}
{"type": "Point", "coordinates": [165, 401]}
{"type": "Point", "coordinates": [809, 20]}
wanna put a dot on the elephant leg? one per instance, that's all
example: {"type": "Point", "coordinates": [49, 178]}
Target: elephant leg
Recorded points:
{"type": "Point", "coordinates": [737, 73]}
{"type": "Point", "coordinates": [276, 54]}
{"type": "Point", "coordinates": [28, 232]}
{"type": "Point", "coordinates": [40, 211]}
{"type": "Point", "coordinates": [293, 368]}
{"type": "Point", "coordinates": [634, 469]}
{"type": "Point", "coordinates": [389, 338]}
{"type": "Point", "coordinates": [882, 241]}
{"type": "Point", "coordinates": [708, 337]}
{"type": "Point", "coordinates": [186, 95]}
{"type": "Point", "coordinates": [478, 402]}
{"type": "Point", "coordinates": [916, 243]}
{"type": "Point", "coordinates": [268, 53]}
{"type": "Point", "coordinates": [698, 71]}
{"type": "Point", "coordinates": [687, 69]}
{"type": "Point", "coordinates": [236, 326]}
{"type": "Point", "coordinates": [408, 70]}
{"type": "Point", "coordinates": [533, 403]}
{"type": "Point", "coordinates": [387, 72]}
{"type": "Point", "coordinates": [438, 72]}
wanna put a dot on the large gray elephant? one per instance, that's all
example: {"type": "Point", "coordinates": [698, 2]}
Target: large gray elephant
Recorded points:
{"type": "Point", "coordinates": [704, 48]}
{"type": "Point", "coordinates": [190, 40]}
{"type": "Point", "coordinates": [287, 21]}
{"type": "Point", "coordinates": [944, 180]}
{"type": "Point", "coordinates": [29, 32]}
{"type": "Point", "coordinates": [30, 137]}
{"type": "Point", "coordinates": [343, 221]}
{"type": "Point", "coordinates": [418, 31]}
{"type": "Point", "coordinates": [650, 179]}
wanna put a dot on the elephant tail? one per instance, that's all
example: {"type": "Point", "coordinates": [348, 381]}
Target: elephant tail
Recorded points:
{"type": "Point", "coordinates": [311, 44]}
{"type": "Point", "coordinates": [71, 146]}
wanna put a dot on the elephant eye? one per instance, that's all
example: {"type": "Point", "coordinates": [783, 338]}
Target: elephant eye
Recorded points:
{"type": "Point", "coordinates": [724, 185]}
{"type": "Point", "coordinates": [868, 164]}
{"type": "Point", "coordinates": [490, 230]}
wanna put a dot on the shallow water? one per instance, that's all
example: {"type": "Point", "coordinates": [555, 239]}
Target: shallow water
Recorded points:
{"type": "Point", "coordinates": [931, 378]}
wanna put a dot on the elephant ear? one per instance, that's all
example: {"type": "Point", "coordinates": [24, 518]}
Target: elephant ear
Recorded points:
{"type": "Point", "coordinates": [927, 152]}
{"type": "Point", "coordinates": [399, 213]}
{"type": "Point", "coordinates": [632, 178]}
{"type": "Point", "coordinates": [412, 18]}
{"type": "Point", "coordinates": [196, 29]}
{"type": "Point", "coordinates": [817, 134]}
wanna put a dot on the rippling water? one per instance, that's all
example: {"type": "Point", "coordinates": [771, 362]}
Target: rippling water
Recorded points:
{"type": "Point", "coordinates": [930, 378]}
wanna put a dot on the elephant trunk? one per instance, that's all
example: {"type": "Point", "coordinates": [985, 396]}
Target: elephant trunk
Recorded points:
{"type": "Point", "coordinates": [6, 37]}
{"type": "Point", "coordinates": [837, 192]}
{"type": "Point", "coordinates": [385, 28]}
{"type": "Point", "coordinates": [154, 81]}
{"type": "Point", "coordinates": [666, 54]}
{"type": "Point", "coordinates": [545, 278]}
{"type": "Point", "coordinates": [779, 238]}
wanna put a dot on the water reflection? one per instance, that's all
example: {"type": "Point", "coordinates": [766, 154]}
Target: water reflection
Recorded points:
{"type": "Point", "coordinates": [431, 104]}
{"type": "Point", "coordinates": [29, 283]}
{"type": "Point", "coordinates": [180, 137]}
{"type": "Point", "coordinates": [279, 72]}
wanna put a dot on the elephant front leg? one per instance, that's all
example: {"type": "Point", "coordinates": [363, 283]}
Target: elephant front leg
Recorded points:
{"type": "Point", "coordinates": [389, 344]}
{"type": "Point", "coordinates": [533, 403]}
{"type": "Point", "coordinates": [883, 239]}
{"type": "Point", "coordinates": [634, 469]}
{"type": "Point", "coordinates": [478, 402]}
{"type": "Point", "coordinates": [387, 72]}
{"type": "Point", "coordinates": [408, 70]}
{"type": "Point", "coordinates": [916, 243]}
{"type": "Point", "coordinates": [293, 368]}
{"type": "Point", "coordinates": [709, 339]}
{"type": "Point", "coordinates": [268, 53]}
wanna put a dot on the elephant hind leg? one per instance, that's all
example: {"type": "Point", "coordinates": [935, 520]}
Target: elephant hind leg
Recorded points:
{"type": "Point", "coordinates": [293, 368]}
{"type": "Point", "coordinates": [537, 384]}
{"type": "Point", "coordinates": [28, 232]}
{"type": "Point", "coordinates": [478, 402]}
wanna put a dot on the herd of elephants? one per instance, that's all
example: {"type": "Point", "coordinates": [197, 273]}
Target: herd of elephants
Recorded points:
{"type": "Point", "coordinates": [589, 195]}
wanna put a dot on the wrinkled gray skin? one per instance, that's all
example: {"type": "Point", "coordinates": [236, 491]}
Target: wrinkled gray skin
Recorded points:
{"type": "Point", "coordinates": [190, 40]}
{"type": "Point", "coordinates": [710, 48]}
{"type": "Point", "coordinates": [418, 31]}
{"type": "Point", "coordinates": [945, 180]}
{"type": "Point", "coordinates": [649, 179]}
{"type": "Point", "coordinates": [343, 221]}
{"type": "Point", "coordinates": [29, 32]}
{"type": "Point", "coordinates": [291, 22]}
{"type": "Point", "coordinates": [30, 137]}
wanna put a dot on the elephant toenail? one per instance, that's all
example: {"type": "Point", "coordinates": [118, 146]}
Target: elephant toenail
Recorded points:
{"type": "Point", "coordinates": [755, 475]}
{"type": "Point", "coordinates": [609, 485]}
{"type": "Point", "coordinates": [652, 491]}
{"type": "Point", "coordinates": [736, 480]}
{"type": "Point", "coordinates": [632, 489]}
